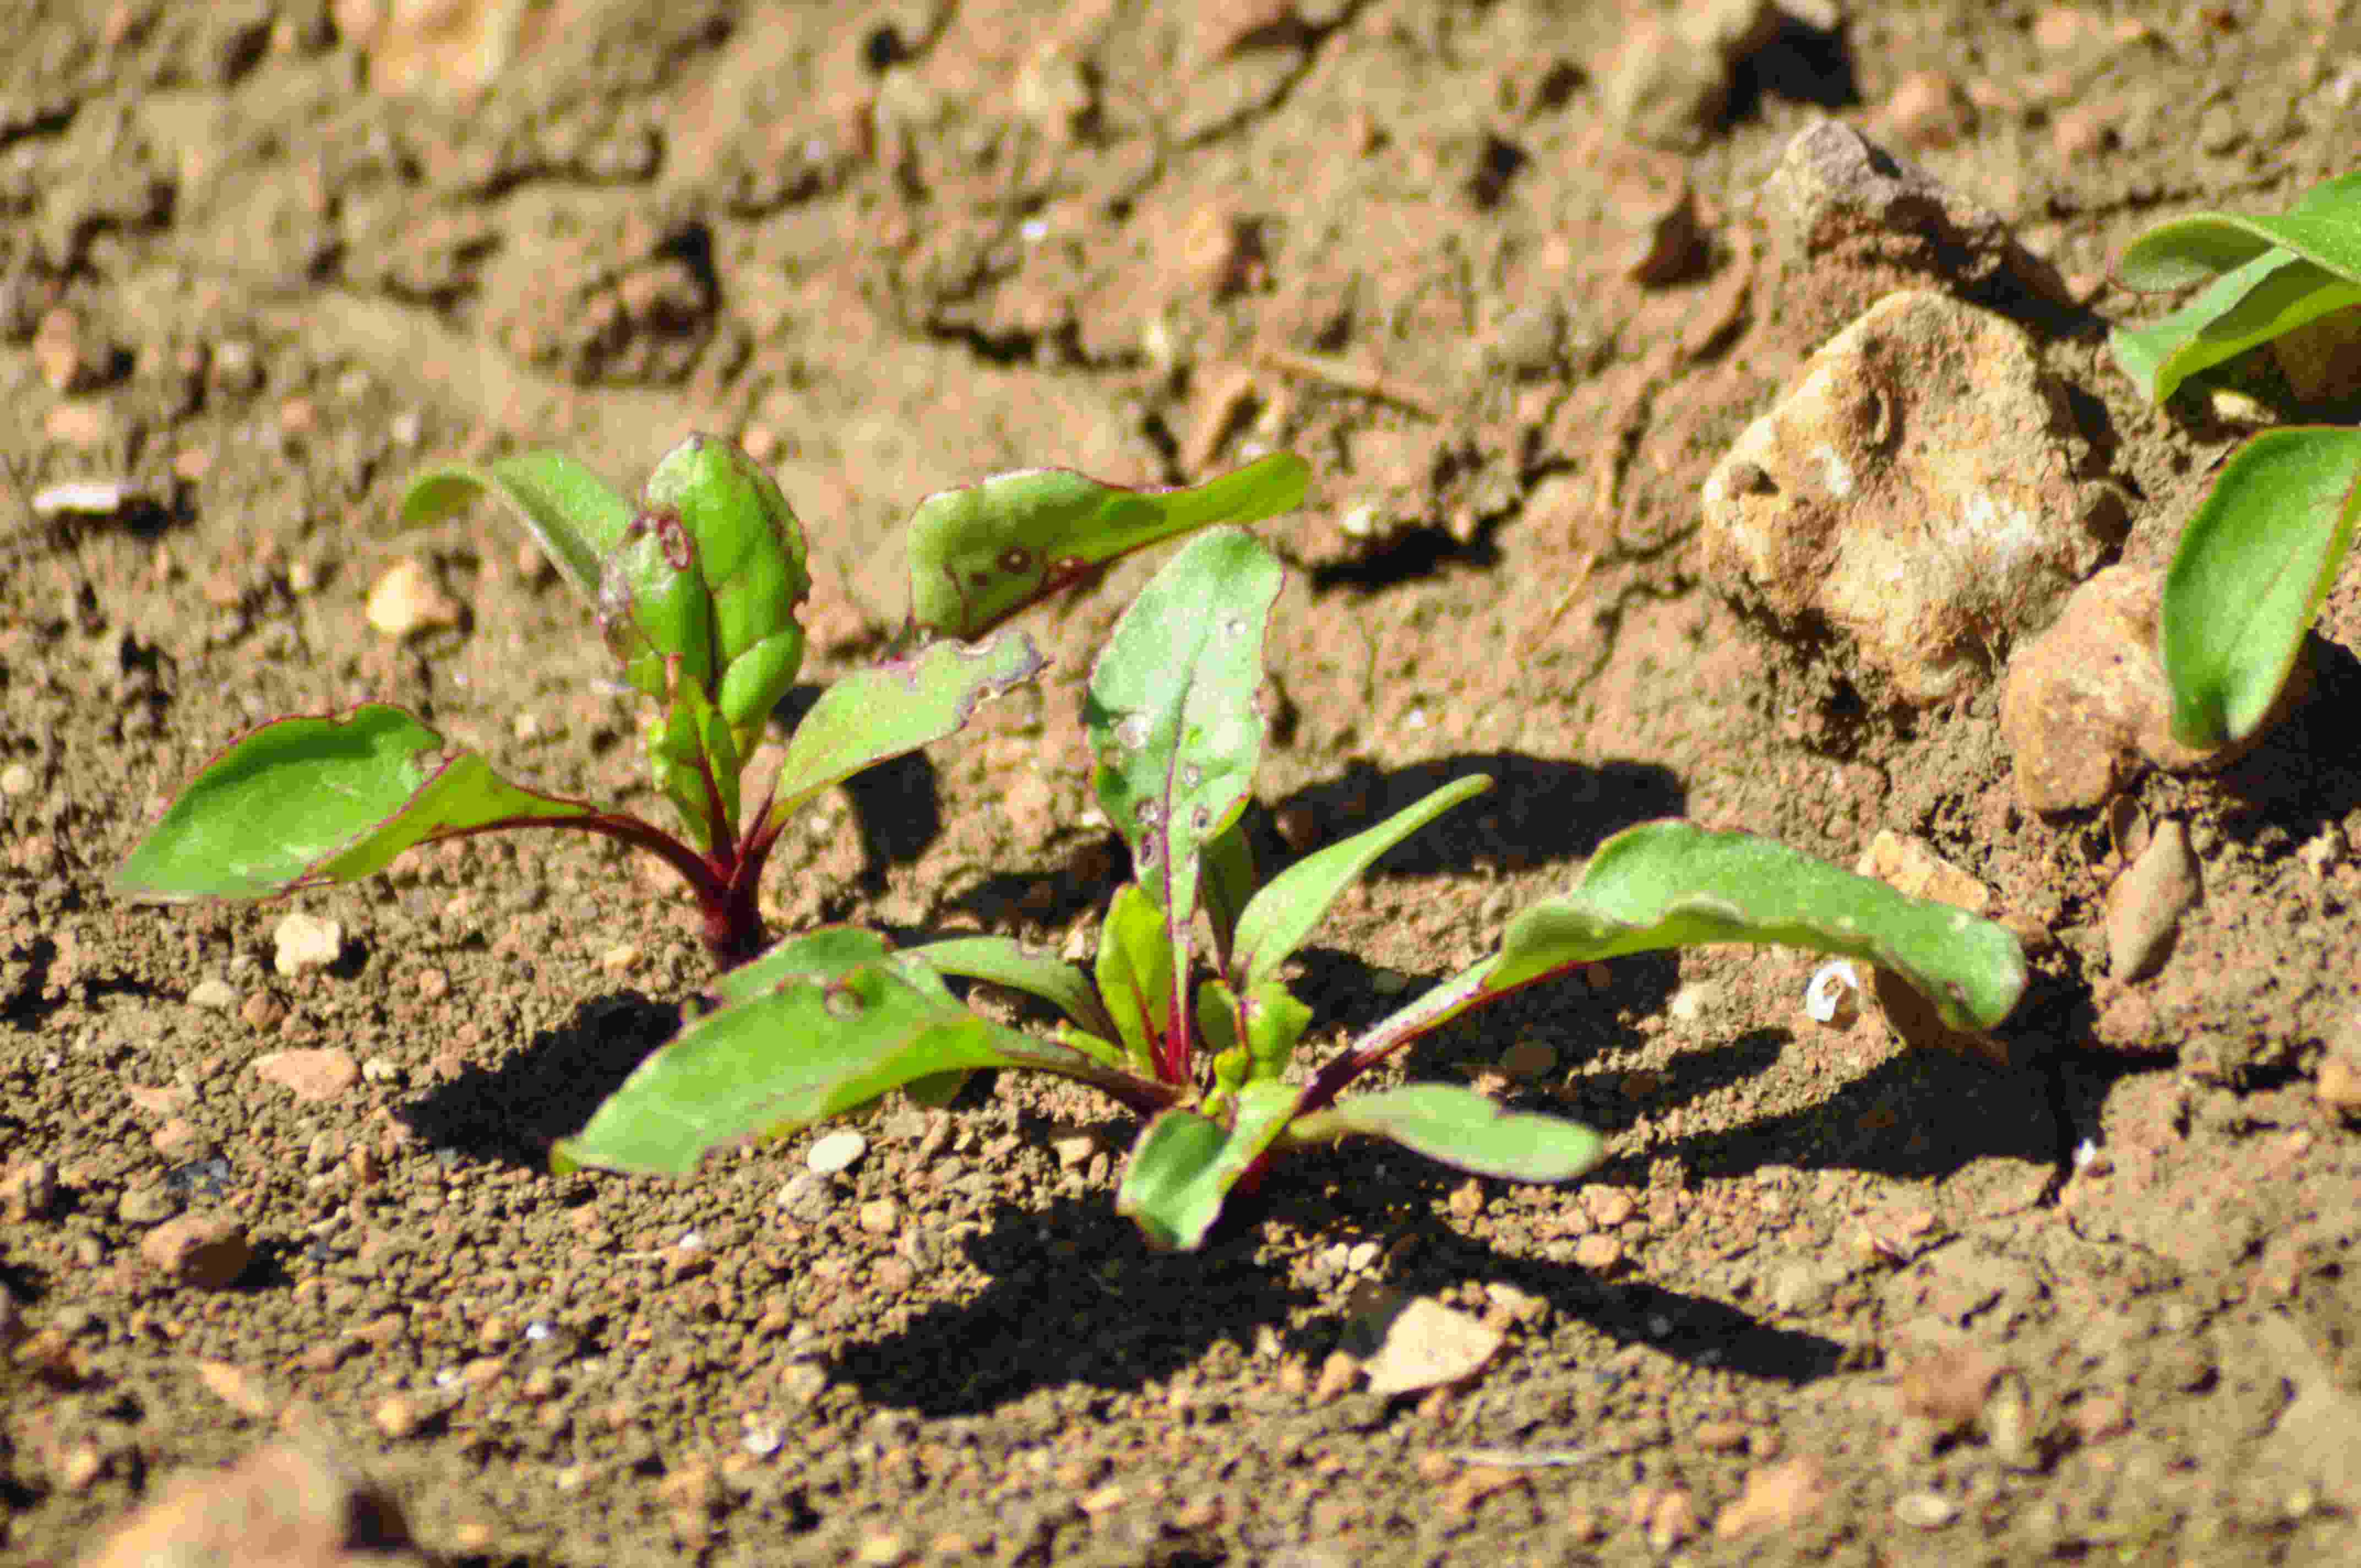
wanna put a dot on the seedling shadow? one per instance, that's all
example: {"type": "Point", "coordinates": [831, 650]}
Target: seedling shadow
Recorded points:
{"type": "Point", "coordinates": [1076, 1297]}
{"type": "Point", "coordinates": [512, 1112]}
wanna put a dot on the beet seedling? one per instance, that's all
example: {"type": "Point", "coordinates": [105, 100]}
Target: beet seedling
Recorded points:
{"type": "Point", "coordinates": [2254, 563]}
{"type": "Point", "coordinates": [828, 1023]}
{"type": "Point", "coordinates": [695, 589]}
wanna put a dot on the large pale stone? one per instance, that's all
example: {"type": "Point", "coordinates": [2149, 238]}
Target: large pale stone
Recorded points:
{"type": "Point", "coordinates": [1915, 492]}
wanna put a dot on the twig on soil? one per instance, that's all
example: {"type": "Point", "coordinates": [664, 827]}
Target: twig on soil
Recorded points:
{"type": "Point", "coordinates": [1353, 379]}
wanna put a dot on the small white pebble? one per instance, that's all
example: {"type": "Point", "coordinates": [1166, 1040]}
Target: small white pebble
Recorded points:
{"type": "Point", "coordinates": [2085, 1153]}
{"type": "Point", "coordinates": [1834, 995]}
{"type": "Point", "coordinates": [536, 1332]}
{"type": "Point", "coordinates": [691, 1241]}
{"type": "Point", "coordinates": [84, 498]}
{"type": "Point", "coordinates": [445, 1379]}
{"type": "Point", "coordinates": [1925, 1511]}
{"type": "Point", "coordinates": [836, 1152]}
{"type": "Point", "coordinates": [16, 780]}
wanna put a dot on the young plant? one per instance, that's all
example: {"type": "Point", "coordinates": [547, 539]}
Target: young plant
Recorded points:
{"type": "Point", "coordinates": [2269, 275]}
{"type": "Point", "coordinates": [827, 1024]}
{"type": "Point", "coordinates": [2254, 563]}
{"type": "Point", "coordinates": [695, 589]}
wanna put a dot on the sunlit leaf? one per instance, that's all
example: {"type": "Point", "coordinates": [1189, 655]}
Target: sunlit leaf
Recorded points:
{"type": "Point", "coordinates": [818, 1025]}
{"type": "Point", "coordinates": [1674, 884]}
{"type": "Point", "coordinates": [1294, 902]}
{"type": "Point", "coordinates": [2249, 573]}
{"type": "Point", "coordinates": [575, 515]}
{"type": "Point", "coordinates": [1185, 1164]}
{"type": "Point", "coordinates": [1171, 717]}
{"type": "Point", "coordinates": [1460, 1128]}
{"type": "Point", "coordinates": [980, 553]}
{"type": "Point", "coordinates": [1003, 960]}
{"type": "Point", "coordinates": [896, 707]}
{"type": "Point", "coordinates": [300, 801]}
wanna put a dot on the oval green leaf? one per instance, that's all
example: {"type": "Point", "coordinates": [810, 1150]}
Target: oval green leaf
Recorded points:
{"type": "Point", "coordinates": [305, 801]}
{"type": "Point", "coordinates": [1185, 1164]}
{"type": "Point", "coordinates": [1460, 1128]}
{"type": "Point", "coordinates": [2323, 227]}
{"type": "Point", "coordinates": [980, 553]}
{"type": "Point", "coordinates": [1294, 902]}
{"type": "Point", "coordinates": [2249, 573]}
{"type": "Point", "coordinates": [1674, 884]}
{"type": "Point", "coordinates": [820, 1025]}
{"type": "Point", "coordinates": [895, 707]}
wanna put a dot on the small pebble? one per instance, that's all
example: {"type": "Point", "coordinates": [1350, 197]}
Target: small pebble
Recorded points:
{"type": "Point", "coordinates": [407, 601]}
{"type": "Point", "coordinates": [86, 498]}
{"type": "Point", "coordinates": [2145, 906]}
{"type": "Point", "coordinates": [207, 1251]}
{"type": "Point", "coordinates": [312, 1075]}
{"type": "Point", "coordinates": [1925, 1511]}
{"type": "Point", "coordinates": [835, 1153]}
{"type": "Point", "coordinates": [302, 943]}
{"type": "Point", "coordinates": [145, 1206]}
{"type": "Point", "coordinates": [18, 781]}
{"type": "Point", "coordinates": [213, 994]}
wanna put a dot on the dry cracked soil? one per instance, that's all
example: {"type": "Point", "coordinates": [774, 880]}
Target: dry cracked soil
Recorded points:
{"type": "Point", "coordinates": [283, 1267]}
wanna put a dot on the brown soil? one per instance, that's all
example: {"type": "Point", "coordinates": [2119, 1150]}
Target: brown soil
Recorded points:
{"type": "Point", "coordinates": [1866, 1299]}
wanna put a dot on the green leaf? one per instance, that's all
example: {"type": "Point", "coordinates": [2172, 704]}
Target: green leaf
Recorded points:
{"type": "Point", "coordinates": [300, 801]}
{"type": "Point", "coordinates": [981, 552]}
{"type": "Point", "coordinates": [1284, 913]}
{"type": "Point", "coordinates": [575, 514]}
{"type": "Point", "coordinates": [1185, 1164]}
{"type": "Point", "coordinates": [1674, 884]}
{"type": "Point", "coordinates": [2323, 227]}
{"type": "Point", "coordinates": [1004, 961]}
{"type": "Point", "coordinates": [895, 708]}
{"type": "Point", "coordinates": [2249, 573]}
{"type": "Point", "coordinates": [1275, 1023]}
{"type": "Point", "coordinates": [2267, 298]}
{"type": "Point", "coordinates": [1228, 886]}
{"type": "Point", "coordinates": [704, 583]}
{"type": "Point", "coordinates": [819, 1026]}
{"type": "Point", "coordinates": [1134, 971]}
{"type": "Point", "coordinates": [1460, 1128]}
{"type": "Point", "coordinates": [1171, 717]}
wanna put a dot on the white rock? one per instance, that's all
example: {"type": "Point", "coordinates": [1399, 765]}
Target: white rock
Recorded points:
{"type": "Point", "coordinates": [302, 943]}
{"type": "Point", "coordinates": [836, 1152]}
{"type": "Point", "coordinates": [1428, 1345]}
{"type": "Point", "coordinates": [86, 498]}
{"type": "Point", "coordinates": [406, 601]}
{"type": "Point", "coordinates": [1914, 490]}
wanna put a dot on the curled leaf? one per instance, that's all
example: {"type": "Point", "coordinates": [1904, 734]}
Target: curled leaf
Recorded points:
{"type": "Point", "coordinates": [576, 516]}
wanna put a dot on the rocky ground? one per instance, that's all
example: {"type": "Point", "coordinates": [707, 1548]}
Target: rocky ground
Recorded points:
{"type": "Point", "coordinates": [1602, 332]}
